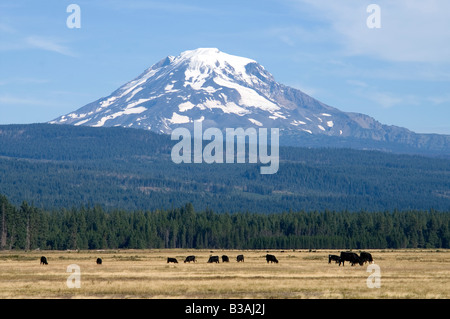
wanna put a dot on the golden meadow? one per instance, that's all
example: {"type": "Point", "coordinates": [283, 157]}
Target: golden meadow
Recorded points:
{"type": "Point", "coordinates": [145, 273]}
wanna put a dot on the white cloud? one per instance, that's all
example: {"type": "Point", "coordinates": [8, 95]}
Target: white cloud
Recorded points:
{"type": "Point", "coordinates": [411, 30]}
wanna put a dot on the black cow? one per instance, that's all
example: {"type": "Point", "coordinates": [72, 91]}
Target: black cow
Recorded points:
{"type": "Point", "coordinates": [365, 257]}
{"type": "Point", "coordinates": [44, 260]}
{"type": "Point", "coordinates": [240, 258]}
{"type": "Point", "coordinates": [99, 261]}
{"type": "Point", "coordinates": [172, 260]}
{"type": "Point", "coordinates": [225, 259]}
{"type": "Point", "coordinates": [213, 259]}
{"type": "Point", "coordinates": [189, 259]}
{"type": "Point", "coordinates": [353, 258]}
{"type": "Point", "coordinates": [336, 258]}
{"type": "Point", "coordinates": [271, 258]}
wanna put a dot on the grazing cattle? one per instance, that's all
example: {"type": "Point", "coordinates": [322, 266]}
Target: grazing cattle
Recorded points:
{"type": "Point", "coordinates": [240, 258]}
{"type": "Point", "coordinates": [336, 258]}
{"type": "Point", "coordinates": [365, 257]}
{"type": "Point", "coordinates": [225, 259]}
{"type": "Point", "coordinates": [44, 260]}
{"type": "Point", "coordinates": [99, 261]}
{"type": "Point", "coordinates": [172, 260]}
{"type": "Point", "coordinates": [271, 258]}
{"type": "Point", "coordinates": [189, 259]}
{"type": "Point", "coordinates": [350, 257]}
{"type": "Point", "coordinates": [213, 259]}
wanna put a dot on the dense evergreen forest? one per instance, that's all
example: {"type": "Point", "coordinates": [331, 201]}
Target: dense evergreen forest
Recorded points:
{"type": "Point", "coordinates": [67, 187]}
{"type": "Point", "coordinates": [27, 227]}
{"type": "Point", "coordinates": [60, 166]}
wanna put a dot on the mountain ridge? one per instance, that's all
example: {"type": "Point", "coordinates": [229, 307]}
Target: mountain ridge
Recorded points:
{"type": "Point", "coordinates": [224, 90]}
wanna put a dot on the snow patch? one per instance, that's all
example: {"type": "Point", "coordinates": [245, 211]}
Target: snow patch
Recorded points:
{"type": "Point", "coordinates": [81, 122]}
{"type": "Point", "coordinates": [178, 119]}
{"type": "Point", "coordinates": [277, 115]}
{"type": "Point", "coordinates": [135, 110]}
{"type": "Point", "coordinates": [229, 107]}
{"type": "Point", "coordinates": [255, 122]}
{"type": "Point", "coordinates": [132, 105]}
{"type": "Point", "coordinates": [134, 93]}
{"type": "Point", "coordinates": [183, 107]}
{"type": "Point", "coordinates": [249, 97]}
{"type": "Point", "coordinates": [107, 102]}
{"type": "Point", "coordinates": [127, 88]}
{"type": "Point", "coordinates": [297, 123]}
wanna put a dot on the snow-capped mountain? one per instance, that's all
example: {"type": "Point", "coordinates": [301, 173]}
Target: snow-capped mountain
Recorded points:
{"type": "Point", "coordinates": [225, 91]}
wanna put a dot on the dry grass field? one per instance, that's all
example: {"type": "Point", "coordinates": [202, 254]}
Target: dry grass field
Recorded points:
{"type": "Point", "coordinates": [301, 274]}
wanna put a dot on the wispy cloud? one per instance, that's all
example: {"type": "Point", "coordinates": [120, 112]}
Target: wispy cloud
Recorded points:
{"type": "Point", "coordinates": [48, 44]}
{"type": "Point", "coordinates": [4, 28]}
{"type": "Point", "coordinates": [381, 97]}
{"type": "Point", "coordinates": [411, 30]}
{"type": "Point", "coordinates": [158, 6]}
{"type": "Point", "coordinates": [12, 40]}
{"type": "Point", "coordinates": [440, 99]}
{"type": "Point", "coordinates": [36, 42]}
{"type": "Point", "coordinates": [294, 34]}
{"type": "Point", "coordinates": [8, 100]}
{"type": "Point", "coordinates": [22, 80]}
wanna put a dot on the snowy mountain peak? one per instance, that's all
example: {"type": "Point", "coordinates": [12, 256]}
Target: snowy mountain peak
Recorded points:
{"type": "Point", "coordinates": [197, 84]}
{"type": "Point", "coordinates": [211, 59]}
{"type": "Point", "coordinates": [223, 91]}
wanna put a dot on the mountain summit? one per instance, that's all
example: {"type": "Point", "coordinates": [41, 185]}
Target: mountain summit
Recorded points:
{"type": "Point", "coordinates": [224, 90]}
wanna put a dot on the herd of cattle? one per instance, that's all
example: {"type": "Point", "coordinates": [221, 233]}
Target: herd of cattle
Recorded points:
{"type": "Point", "coordinates": [225, 259]}
{"type": "Point", "coordinates": [212, 259]}
{"type": "Point", "coordinates": [351, 257]}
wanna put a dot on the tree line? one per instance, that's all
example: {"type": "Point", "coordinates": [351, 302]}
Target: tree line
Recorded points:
{"type": "Point", "coordinates": [28, 227]}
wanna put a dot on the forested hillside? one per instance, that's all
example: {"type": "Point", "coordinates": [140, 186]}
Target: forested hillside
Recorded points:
{"type": "Point", "coordinates": [58, 166]}
{"type": "Point", "coordinates": [27, 227]}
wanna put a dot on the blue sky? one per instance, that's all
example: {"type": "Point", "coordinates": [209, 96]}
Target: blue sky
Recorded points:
{"type": "Point", "coordinates": [399, 73]}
